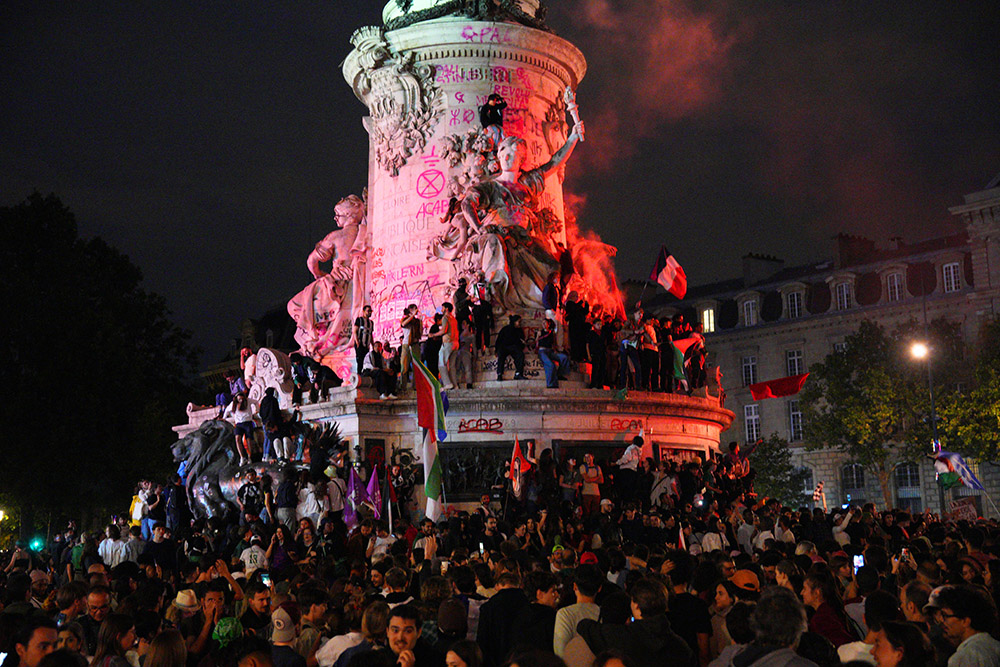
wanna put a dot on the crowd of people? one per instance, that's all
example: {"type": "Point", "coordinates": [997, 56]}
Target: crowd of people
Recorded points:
{"type": "Point", "coordinates": [621, 563]}
{"type": "Point", "coordinates": [640, 352]}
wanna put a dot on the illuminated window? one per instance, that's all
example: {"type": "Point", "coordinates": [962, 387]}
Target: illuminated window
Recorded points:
{"type": "Point", "coordinates": [750, 312]}
{"type": "Point", "coordinates": [852, 483]}
{"type": "Point", "coordinates": [708, 319]}
{"type": "Point", "coordinates": [793, 362]}
{"type": "Point", "coordinates": [751, 419]}
{"type": "Point", "coordinates": [908, 487]}
{"type": "Point", "coordinates": [793, 302]}
{"type": "Point", "coordinates": [844, 297]}
{"type": "Point", "coordinates": [749, 371]}
{"type": "Point", "coordinates": [894, 287]}
{"type": "Point", "coordinates": [952, 282]}
{"type": "Point", "coordinates": [794, 421]}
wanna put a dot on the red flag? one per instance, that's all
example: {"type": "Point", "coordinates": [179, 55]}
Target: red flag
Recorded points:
{"type": "Point", "coordinates": [777, 388]}
{"type": "Point", "coordinates": [669, 274]}
{"type": "Point", "coordinates": [518, 466]}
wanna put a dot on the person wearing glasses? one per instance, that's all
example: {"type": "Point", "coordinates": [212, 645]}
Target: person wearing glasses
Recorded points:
{"type": "Point", "coordinates": [966, 614]}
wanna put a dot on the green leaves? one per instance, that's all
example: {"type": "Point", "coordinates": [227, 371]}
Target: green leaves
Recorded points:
{"type": "Point", "coordinates": [95, 371]}
{"type": "Point", "coordinates": [776, 476]}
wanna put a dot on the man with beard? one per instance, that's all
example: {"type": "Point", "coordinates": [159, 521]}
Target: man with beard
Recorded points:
{"type": "Point", "coordinates": [403, 634]}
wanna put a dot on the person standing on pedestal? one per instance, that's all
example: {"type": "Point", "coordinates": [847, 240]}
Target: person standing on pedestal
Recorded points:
{"type": "Point", "coordinates": [510, 343]}
{"type": "Point", "coordinates": [362, 335]}
{"type": "Point", "coordinates": [449, 344]}
{"type": "Point", "coordinates": [413, 331]}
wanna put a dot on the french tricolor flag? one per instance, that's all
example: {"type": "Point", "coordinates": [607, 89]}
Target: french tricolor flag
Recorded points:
{"type": "Point", "coordinates": [669, 273]}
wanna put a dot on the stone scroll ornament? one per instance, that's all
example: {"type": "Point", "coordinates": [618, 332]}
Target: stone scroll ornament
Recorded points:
{"type": "Point", "coordinates": [271, 368]}
{"type": "Point", "coordinates": [402, 98]}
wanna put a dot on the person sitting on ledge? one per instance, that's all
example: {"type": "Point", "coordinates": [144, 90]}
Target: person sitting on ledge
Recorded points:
{"type": "Point", "coordinates": [375, 367]}
{"type": "Point", "coordinates": [556, 363]}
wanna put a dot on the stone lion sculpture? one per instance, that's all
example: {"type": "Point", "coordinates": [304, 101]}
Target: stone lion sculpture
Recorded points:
{"type": "Point", "coordinates": [212, 474]}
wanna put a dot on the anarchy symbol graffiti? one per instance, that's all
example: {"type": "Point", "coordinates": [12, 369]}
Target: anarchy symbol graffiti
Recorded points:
{"type": "Point", "coordinates": [430, 183]}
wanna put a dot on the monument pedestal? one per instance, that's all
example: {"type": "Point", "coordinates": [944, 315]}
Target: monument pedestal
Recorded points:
{"type": "Point", "coordinates": [483, 423]}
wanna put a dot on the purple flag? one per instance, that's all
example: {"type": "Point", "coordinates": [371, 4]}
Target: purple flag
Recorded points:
{"type": "Point", "coordinates": [375, 494]}
{"type": "Point", "coordinates": [356, 494]}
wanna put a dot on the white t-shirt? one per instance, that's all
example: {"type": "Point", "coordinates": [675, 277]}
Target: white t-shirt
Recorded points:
{"type": "Point", "coordinates": [254, 558]}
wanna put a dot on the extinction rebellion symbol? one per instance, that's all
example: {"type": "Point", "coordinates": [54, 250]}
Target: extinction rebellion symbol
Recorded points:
{"type": "Point", "coordinates": [430, 183]}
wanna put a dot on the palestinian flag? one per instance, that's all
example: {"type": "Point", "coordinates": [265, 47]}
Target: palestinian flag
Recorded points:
{"type": "Point", "coordinates": [952, 470]}
{"type": "Point", "coordinates": [669, 274]}
{"type": "Point", "coordinates": [518, 466]}
{"type": "Point", "coordinates": [777, 388]}
{"type": "Point", "coordinates": [431, 407]}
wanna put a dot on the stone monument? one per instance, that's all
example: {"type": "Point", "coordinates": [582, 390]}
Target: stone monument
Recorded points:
{"type": "Point", "coordinates": [471, 116]}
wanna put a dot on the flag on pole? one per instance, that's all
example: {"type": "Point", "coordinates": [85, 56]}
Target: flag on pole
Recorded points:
{"type": "Point", "coordinates": [952, 471]}
{"type": "Point", "coordinates": [375, 493]}
{"type": "Point", "coordinates": [390, 496]}
{"type": "Point", "coordinates": [518, 466]}
{"type": "Point", "coordinates": [777, 388]}
{"type": "Point", "coordinates": [430, 416]}
{"type": "Point", "coordinates": [356, 494]}
{"type": "Point", "coordinates": [669, 274]}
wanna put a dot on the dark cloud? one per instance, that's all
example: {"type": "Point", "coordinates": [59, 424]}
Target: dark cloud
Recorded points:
{"type": "Point", "coordinates": [210, 141]}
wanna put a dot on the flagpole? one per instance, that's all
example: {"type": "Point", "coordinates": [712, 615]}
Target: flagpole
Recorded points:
{"type": "Point", "coordinates": [388, 497]}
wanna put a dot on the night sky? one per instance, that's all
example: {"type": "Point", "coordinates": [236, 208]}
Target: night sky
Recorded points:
{"type": "Point", "coordinates": [210, 141]}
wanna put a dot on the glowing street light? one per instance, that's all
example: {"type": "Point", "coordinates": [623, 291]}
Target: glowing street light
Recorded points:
{"type": "Point", "coordinates": [920, 350]}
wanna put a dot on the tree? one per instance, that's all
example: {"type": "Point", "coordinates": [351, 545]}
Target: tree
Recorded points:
{"type": "Point", "coordinates": [971, 420]}
{"type": "Point", "coordinates": [870, 399]}
{"type": "Point", "coordinates": [775, 476]}
{"type": "Point", "coordinates": [93, 369]}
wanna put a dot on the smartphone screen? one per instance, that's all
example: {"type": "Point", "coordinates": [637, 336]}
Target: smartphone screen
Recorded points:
{"type": "Point", "coordinates": [265, 578]}
{"type": "Point", "coordinates": [482, 548]}
{"type": "Point", "coordinates": [859, 562]}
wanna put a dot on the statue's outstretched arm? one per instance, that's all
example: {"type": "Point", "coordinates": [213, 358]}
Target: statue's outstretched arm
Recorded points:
{"type": "Point", "coordinates": [563, 153]}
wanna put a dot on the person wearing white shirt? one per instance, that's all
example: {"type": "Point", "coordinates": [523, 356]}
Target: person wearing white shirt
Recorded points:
{"type": "Point", "coordinates": [254, 557]}
{"type": "Point", "coordinates": [111, 549]}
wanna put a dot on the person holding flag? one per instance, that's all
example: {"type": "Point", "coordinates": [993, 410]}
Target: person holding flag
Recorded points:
{"type": "Point", "coordinates": [628, 466]}
{"type": "Point", "coordinates": [431, 408]}
{"type": "Point", "coordinates": [669, 274]}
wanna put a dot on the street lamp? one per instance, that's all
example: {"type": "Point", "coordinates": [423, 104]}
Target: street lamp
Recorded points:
{"type": "Point", "coordinates": [921, 350]}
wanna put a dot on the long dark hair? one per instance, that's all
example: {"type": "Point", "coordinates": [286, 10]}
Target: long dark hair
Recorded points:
{"type": "Point", "coordinates": [914, 644]}
{"type": "Point", "coordinates": [109, 637]}
{"type": "Point", "coordinates": [826, 583]}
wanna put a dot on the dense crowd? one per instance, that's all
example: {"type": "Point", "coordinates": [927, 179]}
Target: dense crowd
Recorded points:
{"type": "Point", "coordinates": [614, 563]}
{"type": "Point", "coordinates": [639, 352]}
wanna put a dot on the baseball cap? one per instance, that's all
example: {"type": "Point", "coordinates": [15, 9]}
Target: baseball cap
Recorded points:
{"type": "Point", "coordinates": [746, 579]}
{"type": "Point", "coordinates": [283, 628]}
{"type": "Point", "coordinates": [588, 558]}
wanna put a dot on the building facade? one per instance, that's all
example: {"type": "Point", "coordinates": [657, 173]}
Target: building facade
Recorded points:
{"type": "Point", "coordinates": [776, 321]}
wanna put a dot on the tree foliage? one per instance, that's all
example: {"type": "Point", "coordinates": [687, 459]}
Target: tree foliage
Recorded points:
{"type": "Point", "coordinates": [94, 370]}
{"type": "Point", "coordinates": [971, 420]}
{"type": "Point", "coordinates": [870, 400]}
{"type": "Point", "coordinates": [776, 477]}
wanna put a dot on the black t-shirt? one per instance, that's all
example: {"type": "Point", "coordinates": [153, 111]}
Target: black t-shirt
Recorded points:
{"type": "Point", "coordinates": [286, 656]}
{"type": "Point", "coordinates": [689, 616]}
{"type": "Point", "coordinates": [251, 497]}
{"type": "Point", "coordinates": [251, 620]}
{"type": "Point", "coordinates": [158, 513]}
